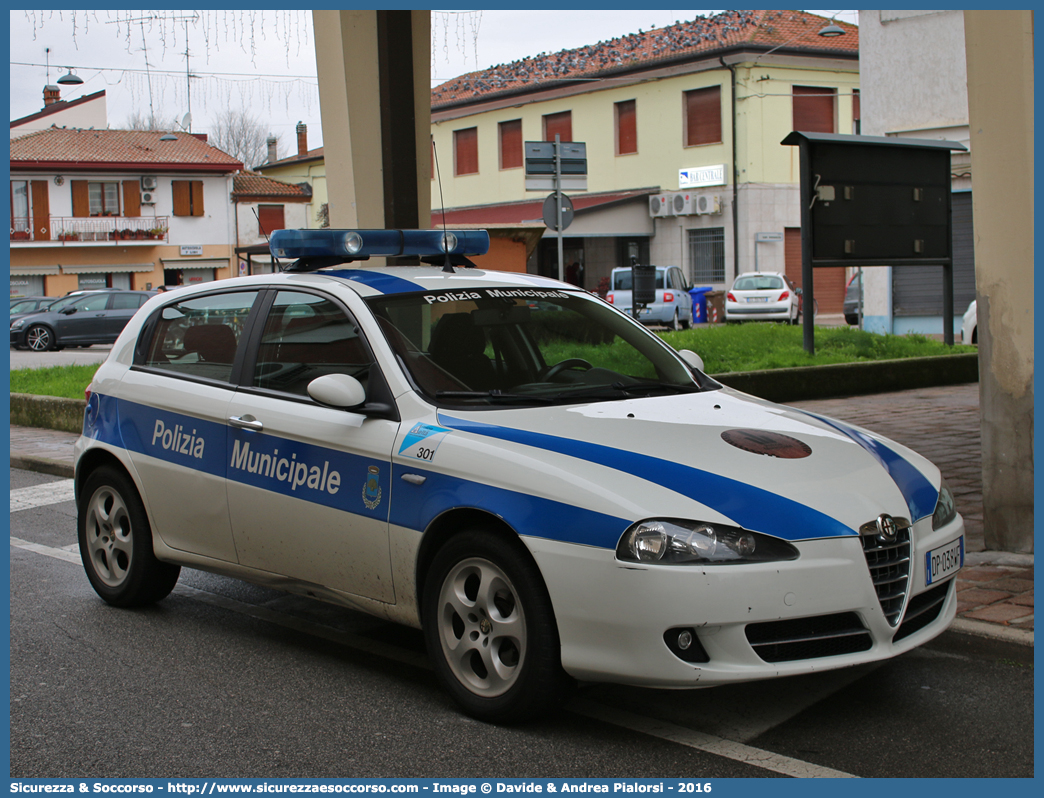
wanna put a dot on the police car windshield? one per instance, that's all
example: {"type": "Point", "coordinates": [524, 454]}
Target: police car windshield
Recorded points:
{"type": "Point", "coordinates": [521, 346]}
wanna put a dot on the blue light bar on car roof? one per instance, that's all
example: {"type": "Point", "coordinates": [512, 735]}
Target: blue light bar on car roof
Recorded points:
{"type": "Point", "coordinates": [362, 244]}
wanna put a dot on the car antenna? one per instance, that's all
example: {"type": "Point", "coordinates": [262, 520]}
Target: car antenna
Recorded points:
{"type": "Point", "coordinates": [264, 232]}
{"type": "Point", "coordinates": [447, 267]}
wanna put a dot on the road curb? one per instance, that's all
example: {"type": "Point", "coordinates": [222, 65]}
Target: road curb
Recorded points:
{"type": "Point", "coordinates": [42, 465]}
{"type": "Point", "coordinates": [968, 626]}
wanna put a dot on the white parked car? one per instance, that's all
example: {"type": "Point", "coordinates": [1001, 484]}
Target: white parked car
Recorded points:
{"type": "Point", "coordinates": [512, 465]}
{"type": "Point", "coordinates": [969, 325]}
{"type": "Point", "coordinates": [762, 296]}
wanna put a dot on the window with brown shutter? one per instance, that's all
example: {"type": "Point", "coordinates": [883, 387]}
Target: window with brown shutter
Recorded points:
{"type": "Point", "coordinates": [131, 198]}
{"type": "Point", "coordinates": [465, 151]}
{"type": "Point", "coordinates": [703, 116]}
{"type": "Point", "coordinates": [814, 109]}
{"type": "Point", "coordinates": [856, 122]}
{"type": "Point", "coordinates": [626, 128]}
{"type": "Point", "coordinates": [270, 218]}
{"type": "Point", "coordinates": [560, 124]}
{"type": "Point", "coordinates": [81, 203]}
{"type": "Point", "coordinates": [511, 144]}
{"type": "Point", "coordinates": [188, 197]}
{"type": "Point", "coordinates": [41, 210]}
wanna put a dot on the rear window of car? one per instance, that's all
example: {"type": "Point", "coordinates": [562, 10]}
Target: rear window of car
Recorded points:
{"type": "Point", "coordinates": [622, 279]}
{"type": "Point", "coordinates": [758, 282]}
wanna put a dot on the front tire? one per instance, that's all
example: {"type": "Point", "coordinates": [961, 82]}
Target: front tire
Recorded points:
{"type": "Point", "coordinates": [116, 542]}
{"type": "Point", "coordinates": [39, 338]}
{"type": "Point", "coordinates": [490, 628]}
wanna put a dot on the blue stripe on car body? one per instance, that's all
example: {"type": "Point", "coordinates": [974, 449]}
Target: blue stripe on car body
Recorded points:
{"type": "Point", "coordinates": [921, 497]}
{"type": "Point", "coordinates": [385, 283]}
{"type": "Point", "coordinates": [751, 507]}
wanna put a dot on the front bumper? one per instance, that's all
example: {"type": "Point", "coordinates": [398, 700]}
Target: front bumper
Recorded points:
{"type": "Point", "coordinates": [613, 616]}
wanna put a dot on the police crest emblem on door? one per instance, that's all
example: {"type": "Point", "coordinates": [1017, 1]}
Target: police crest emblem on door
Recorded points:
{"type": "Point", "coordinates": [371, 494]}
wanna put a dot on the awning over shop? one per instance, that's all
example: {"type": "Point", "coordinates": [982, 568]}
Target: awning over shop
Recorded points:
{"type": "Point", "coordinates": [195, 263]}
{"type": "Point", "coordinates": [630, 214]}
{"type": "Point", "coordinates": [34, 270]}
{"type": "Point", "coordinates": [107, 268]}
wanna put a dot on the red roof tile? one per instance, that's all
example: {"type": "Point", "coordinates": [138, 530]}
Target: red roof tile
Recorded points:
{"type": "Point", "coordinates": [71, 148]}
{"type": "Point", "coordinates": [753, 30]}
{"type": "Point", "coordinates": [247, 184]}
{"type": "Point", "coordinates": [315, 154]}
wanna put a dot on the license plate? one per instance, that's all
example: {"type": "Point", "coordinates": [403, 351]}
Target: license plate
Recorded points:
{"type": "Point", "coordinates": [944, 561]}
{"type": "Point", "coordinates": [757, 299]}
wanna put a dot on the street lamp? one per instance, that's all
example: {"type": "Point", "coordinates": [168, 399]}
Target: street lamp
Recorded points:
{"type": "Point", "coordinates": [70, 79]}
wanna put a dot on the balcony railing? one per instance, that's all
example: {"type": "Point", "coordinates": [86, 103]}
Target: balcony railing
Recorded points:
{"type": "Point", "coordinates": [69, 229]}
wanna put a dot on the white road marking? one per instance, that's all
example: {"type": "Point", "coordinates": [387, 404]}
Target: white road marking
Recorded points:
{"type": "Point", "coordinates": [738, 752]}
{"type": "Point", "coordinates": [42, 495]}
{"type": "Point", "coordinates": [711, 744]}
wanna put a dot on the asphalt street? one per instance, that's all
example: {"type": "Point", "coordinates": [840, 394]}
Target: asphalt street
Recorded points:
{"type": "Point", "coordinates": [227, 679]}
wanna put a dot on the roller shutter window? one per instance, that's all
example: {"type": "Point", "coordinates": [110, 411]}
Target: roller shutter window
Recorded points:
{"type": "Point", "coordinates": [856, 111]}
{"type": "Point", "coordinates": [703, 116]}
{"type": "Point", "coordinates": [814, 112]}
{"type": "Point", "coordinates": [511, 144]}
{"type": "Point", "coordinates": [131, 198]}
{"type": "Point", "coordinates": [828, 283]}
{"type": "Point", "coordinates": [560, 124]}
{"type": "Point", "coordinates": [270, 218]}
{"type": "Point", "coordinates": [626, 127]}
{"type": "Point", "coordinates": [41, 210]}
{"type": "Point", "coordinates": [188, 197]}
{"type": "Point", "coordinates": [917, 290]}
{"type": "Point", "coordinates": [465, 151]}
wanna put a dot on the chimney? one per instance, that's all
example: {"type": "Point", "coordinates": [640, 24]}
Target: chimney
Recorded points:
{"type": "Point", "coordinates": [273, 144]}
{"type": "Point", "coordinates": [52, 94]}
{"type": "Point", "coordinates": [302, 139]}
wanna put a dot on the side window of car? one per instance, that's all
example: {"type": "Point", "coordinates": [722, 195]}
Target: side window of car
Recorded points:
{"type": "Point", "coordinates": [126, 301]}
{"type": "Point", "coordinates": [307, 336]}
{"type": "Point", "coordinates": [94, 302]}
{"type": "Point", "coordinates": [198, 337]}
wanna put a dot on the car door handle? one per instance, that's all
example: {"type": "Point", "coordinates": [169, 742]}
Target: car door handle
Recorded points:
{"type": "Point", "coordinates": [246, 422]}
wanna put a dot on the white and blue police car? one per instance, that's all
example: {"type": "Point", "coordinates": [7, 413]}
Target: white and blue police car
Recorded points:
{"type": "Point", "coordinates": [507, 462]}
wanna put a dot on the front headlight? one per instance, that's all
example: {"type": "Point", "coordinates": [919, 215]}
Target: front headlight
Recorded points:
{"type": "Point", "coordinates": [17, 324]}
{"type": "Point", "coordinates": [945, 508]}
{"type": "Point", "coordinates": [677, 542]}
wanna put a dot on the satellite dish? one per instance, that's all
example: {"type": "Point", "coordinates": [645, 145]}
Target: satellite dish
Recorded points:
{"type": "Point", "coordinates": [186, 121]}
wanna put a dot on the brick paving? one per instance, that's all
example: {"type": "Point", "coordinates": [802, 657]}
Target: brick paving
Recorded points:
{"type": "Point", "coordinates": [995, 589]}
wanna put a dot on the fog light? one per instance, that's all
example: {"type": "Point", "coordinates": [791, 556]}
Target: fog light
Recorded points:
{"type": "Point", "coordinates": [684, 640]}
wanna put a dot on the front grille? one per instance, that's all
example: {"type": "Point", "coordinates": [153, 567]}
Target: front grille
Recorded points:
{"type": "Point", "coordinates": [923, 609]}
{"type": "Point", "coordinates": [808, 638]}
{"type": "Point", "coordinates": [889, 564]}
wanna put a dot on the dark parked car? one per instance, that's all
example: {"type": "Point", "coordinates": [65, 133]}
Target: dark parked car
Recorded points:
{"type": "Point", "coordinates": [851, 308]}
{"type": "Point", "coordinates": [29, 304]}
{"type": "Point", "coordinates": [81, 319]}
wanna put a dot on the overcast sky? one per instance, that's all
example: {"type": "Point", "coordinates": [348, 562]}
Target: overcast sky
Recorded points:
{"type": "Point", "coordinates": [264, 61]}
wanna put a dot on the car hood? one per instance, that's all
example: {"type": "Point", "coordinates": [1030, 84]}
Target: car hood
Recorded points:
{"type": "Point", "coordinates": [765, 467]}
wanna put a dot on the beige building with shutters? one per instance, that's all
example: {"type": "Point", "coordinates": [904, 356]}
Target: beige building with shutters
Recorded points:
{"type": "Point", "coordinates": [118, 208]}
{"type": "Point", "coordinates": [683, 126]}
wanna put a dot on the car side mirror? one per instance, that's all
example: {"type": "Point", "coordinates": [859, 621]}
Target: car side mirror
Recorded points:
{"type": "Point", "coordinates": [691, 359]}
{"type": "Point", "coordinates": [337, 390]}
{"type": "Point", "coordinates": [67, 311]}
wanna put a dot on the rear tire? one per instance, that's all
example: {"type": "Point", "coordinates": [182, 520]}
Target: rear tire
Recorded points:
{"type": "Point", "coordinates": [490, 629]}
{"type": "Point", "coordinates": [116, 542]}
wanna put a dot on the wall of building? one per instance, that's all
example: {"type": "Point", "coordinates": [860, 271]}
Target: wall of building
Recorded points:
{"type": "Point", "coordinates": [85, 116]}
{"type": "Point", "coordinates": [295, 217]}
{"type": "Point", "coordinates": [311, 172]}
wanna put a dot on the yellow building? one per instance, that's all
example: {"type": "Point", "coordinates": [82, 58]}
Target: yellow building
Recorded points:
{"type": "Point", "coordinates": [307, 166]}
{"type": "Point", "coordinates": [682, 127]}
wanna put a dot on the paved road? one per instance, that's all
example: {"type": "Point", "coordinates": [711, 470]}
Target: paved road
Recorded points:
{"type": "Point", "coordinates": [26, 359]}
{"type": "Point", "coordinates": [224, 678]}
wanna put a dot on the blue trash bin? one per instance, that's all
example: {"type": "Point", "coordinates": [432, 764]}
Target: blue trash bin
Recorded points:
{"type": "Point", "coordinates": [699, 303]}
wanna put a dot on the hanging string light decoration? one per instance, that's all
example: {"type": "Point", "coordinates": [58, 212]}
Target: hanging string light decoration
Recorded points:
{"type": "Point", "coordinates": [465, 25]}
{"type": "Point", "coordinates": [167, 31]}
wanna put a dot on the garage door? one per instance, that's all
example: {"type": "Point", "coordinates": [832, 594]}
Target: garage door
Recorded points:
{"type": "Point", "coordinates": [829, 284]}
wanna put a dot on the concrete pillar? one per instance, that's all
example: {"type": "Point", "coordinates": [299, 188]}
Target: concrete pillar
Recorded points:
{"type": "Point", "coordinates": [999, 46]}
{"type": "Point", "coordinates": [375, 97]}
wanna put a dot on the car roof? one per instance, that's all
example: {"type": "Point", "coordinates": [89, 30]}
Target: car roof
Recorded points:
{"type": "Point", "coordinates": [370, 281]}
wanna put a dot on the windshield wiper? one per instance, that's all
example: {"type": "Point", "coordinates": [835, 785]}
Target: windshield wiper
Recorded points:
{"type": "Point", "coordinates": [495, 395]}
{"type": "Point", "coordinates": [619, 390]}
